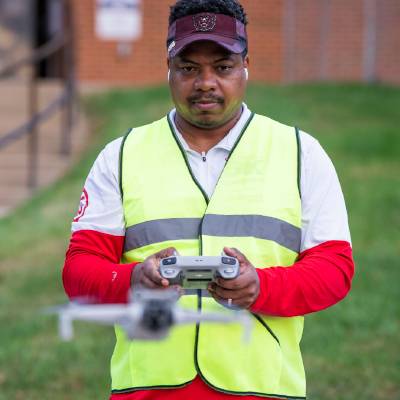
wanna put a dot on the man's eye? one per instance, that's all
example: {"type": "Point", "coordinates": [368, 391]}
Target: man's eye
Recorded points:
{"type": "Point", "coordinates": [224, 68]}
{"type": "Point", "coordinates": [187, 69]}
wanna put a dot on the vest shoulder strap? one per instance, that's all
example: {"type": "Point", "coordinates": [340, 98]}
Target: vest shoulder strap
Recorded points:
{"type": "Point", "coordinates": [298, 159]}
{"type": "Point", "coordinates": [121, 152]}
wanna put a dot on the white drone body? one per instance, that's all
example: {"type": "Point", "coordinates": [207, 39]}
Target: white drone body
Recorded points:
{"type": "Point", "coordinates": [148, 316]}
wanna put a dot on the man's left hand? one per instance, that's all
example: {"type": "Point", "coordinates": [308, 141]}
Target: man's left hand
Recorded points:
{"type": "Point", "coordinates": [241, 291]}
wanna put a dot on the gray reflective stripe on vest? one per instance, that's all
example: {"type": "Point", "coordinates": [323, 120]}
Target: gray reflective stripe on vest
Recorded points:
{"type": "Point", "coordinates": [257, 226]}
{"type": "Point", "coordinates": [161, 230]}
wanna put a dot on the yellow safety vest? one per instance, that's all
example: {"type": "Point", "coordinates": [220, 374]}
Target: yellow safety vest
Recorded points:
{"type": "Point", "coordinates": [256, 207]}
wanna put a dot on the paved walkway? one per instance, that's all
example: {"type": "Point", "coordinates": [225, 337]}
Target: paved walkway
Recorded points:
{"type": "Point", "coordinates": [14, 158]}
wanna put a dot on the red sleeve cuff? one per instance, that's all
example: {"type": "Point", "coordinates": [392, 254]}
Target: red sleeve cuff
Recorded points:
{"type": "Point", "coordinates": [118, 291]}
{"type": "Point", "coordinates": [262, 296]}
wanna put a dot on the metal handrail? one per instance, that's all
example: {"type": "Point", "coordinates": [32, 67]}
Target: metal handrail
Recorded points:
{"type": "Point", "coordinates": [18, 133]}
{"type": "Point", "coordinates": [60, 42]}
{"type": "Point", "coordinates": [52, 46]}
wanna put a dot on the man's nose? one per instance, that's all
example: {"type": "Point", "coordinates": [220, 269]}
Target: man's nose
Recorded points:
{"type": "Point", "coordinates": [206, 80]}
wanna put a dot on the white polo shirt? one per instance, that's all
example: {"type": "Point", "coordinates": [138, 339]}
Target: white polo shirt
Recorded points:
{"type": "Point", "coordinates": [324, 215]}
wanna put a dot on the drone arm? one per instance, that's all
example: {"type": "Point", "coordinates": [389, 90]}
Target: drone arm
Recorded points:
{"type": "Point", "coordinates": [102, 314]}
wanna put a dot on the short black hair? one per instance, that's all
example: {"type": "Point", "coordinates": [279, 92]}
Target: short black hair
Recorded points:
{"type": "Point", "coordinates": [182, 8]}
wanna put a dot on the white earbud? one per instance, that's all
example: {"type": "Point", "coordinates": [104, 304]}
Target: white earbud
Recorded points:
{"type": "Point", "coordinates": [169, 75]}
{"type": "Point", "coordinates": [246, 73]}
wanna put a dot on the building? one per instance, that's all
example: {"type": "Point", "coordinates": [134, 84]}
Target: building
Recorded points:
{"type": "Point", "coordinates": [290, 41]}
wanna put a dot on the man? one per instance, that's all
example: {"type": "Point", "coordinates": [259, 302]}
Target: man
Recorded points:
{"type": "Point", "coordinates": [213, 176]}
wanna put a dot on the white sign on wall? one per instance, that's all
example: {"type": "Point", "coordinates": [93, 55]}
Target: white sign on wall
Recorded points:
{"type": "Point", "coordinates": [119, 20]}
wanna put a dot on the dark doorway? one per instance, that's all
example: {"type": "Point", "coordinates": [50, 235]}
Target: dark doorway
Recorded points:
{"type": "Point", "coordinates": [48, 22]}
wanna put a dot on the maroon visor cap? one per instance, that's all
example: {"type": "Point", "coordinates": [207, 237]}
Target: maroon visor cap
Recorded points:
{"type": "Point", "coordinates": [227, 31]}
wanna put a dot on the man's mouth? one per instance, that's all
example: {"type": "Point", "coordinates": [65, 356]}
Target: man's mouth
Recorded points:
{"type": "Point", "coordinates": [206, 104]}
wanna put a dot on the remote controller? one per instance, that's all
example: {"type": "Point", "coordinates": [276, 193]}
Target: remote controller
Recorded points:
{"type": "Point", "coordinates": [196, 272]}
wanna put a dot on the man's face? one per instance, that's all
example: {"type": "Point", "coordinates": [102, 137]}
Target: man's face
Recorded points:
{"type": "Point", "coordinates": [207, 84]}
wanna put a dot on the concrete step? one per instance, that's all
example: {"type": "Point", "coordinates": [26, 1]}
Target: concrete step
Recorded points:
{"type": "Point", "coordinates": [17, 173]}
{"type": "Point", "coordinates": [46, 144]}
{"type": "Point", "coordinates": [21, 159]}
{"type": "Point", "coordinates": [48, 171]}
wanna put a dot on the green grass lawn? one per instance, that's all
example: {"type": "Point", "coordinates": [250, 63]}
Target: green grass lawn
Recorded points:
{"type": "Point", "coordinates": [351, 351]}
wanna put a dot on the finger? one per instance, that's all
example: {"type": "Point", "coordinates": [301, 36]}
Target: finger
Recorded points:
{"type": "Point", "coordinates": [152, 273]}
{"type": "Point", "coordinates": [241, 282]}
{"type": "Point", "coordinates": [219, 299]}
{"type": "Point", "coordinates": [239, 303]}
{"type": "Point", "coordinates": [245, 291]}
{"type": "Point", "coordinates": [226, 294]}
{"type": "Point", "coordinates": [232, 284]}
{"type": "Point", "coordinates": [148, 283]}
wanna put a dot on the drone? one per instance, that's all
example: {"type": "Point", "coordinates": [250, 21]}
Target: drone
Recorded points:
{"type": "Point", "coordinates": [149, 315]}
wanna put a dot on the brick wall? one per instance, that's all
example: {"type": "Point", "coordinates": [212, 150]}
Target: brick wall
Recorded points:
{"type": "Point", "coordinates": [289, 40]}
{"type": "Point", "coordinates": [324, 40]}
{"type": "Point", "coordinates": [388, 42]}
{"type": "Point", "coordinates": [265, 39]}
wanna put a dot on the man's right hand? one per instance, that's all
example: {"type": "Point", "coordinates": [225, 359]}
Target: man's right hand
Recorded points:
{"type": "Point", "coordinates": [147, 273]}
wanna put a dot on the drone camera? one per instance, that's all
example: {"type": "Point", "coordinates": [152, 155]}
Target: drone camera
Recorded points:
{"type": "Point", "coordinates": [157, 316]}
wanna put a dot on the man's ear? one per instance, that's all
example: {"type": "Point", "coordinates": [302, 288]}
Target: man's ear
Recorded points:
{"type": "Point", "coordinates": [246, 62]}
{"type": "Point", "coordinates": [169, 70]}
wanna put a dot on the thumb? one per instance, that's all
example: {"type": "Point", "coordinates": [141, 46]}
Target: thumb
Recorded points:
{"type": "Point", "coordinates": [168, 252]}
{"type": "Point", "coordinates": [233, 252]}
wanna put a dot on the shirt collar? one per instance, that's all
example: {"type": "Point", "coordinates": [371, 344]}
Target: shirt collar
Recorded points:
{"type": "Point", "coordinates": [228, 141]}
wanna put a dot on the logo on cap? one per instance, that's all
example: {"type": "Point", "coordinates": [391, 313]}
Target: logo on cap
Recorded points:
{"type": "Point", "coordinates": [204, 22]}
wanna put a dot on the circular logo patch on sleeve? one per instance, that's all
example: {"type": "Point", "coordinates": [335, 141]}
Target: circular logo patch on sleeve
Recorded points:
{"type": "Point", "coordinates": [83, 204]}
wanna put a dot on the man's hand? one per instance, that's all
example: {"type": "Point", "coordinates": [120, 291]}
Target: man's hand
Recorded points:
{"type": "Point", "coordinates": [147, 273]}
{"type": "Point", "coordinates": [243, 290]}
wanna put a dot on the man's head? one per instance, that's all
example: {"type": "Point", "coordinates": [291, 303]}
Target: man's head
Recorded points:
{"type": "Point", "coordinates": [207, 58]}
